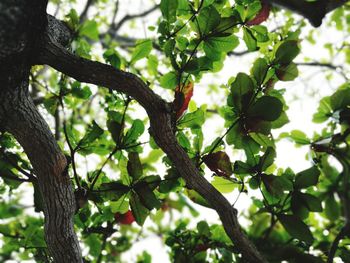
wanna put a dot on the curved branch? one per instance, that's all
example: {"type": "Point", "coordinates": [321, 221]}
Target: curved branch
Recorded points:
{"type": "Point", "coordinates": [116, 27]}
{"type": "Point", "coordinates": [158, 111]}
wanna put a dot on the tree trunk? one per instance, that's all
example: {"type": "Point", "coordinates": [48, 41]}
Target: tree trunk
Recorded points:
{"type": "Point", "coordinates": [21, 23]}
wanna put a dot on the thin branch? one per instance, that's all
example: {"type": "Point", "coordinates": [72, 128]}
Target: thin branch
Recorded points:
{"type": "Point", "coordinates": [337, 68]}
{"type": "Point", "coordinates": [126, 18]}
{"type": "Point", "coordinates": [83, 14]}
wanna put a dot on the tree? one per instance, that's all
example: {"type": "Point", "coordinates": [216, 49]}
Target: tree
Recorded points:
{"type": "Point", "coordinates": [96, 123]}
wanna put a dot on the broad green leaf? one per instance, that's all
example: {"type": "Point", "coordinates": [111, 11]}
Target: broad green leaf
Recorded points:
{"type": "Point", "coordinates": [113, 58]}
{"type": "Point", "coordinates": [142, 50]}
{"type": "Point", "coordinates": [296, 228]}
{"type": "Point", "coordinates": [307, 178]}
{"type": "Point", "coordinates": [146, 195]}
{"type": "Point", "coordinates": [287, 72]}
{"type": "Point", "coordinates": [192, 120]}
{"type": "Point", "coordinates": [197, 198]}
{"type": "Point", "coordinates": [312, 202]}
{"type": "Point", "coordinates": [286, 52]}
{"type": "Point", "coordinates": [120, 205]}
{"type": "Point", "coordinates": [168, 9]}
{"type": "Point", "coordinates": [267, 159]}
{"type": "Point", "coordinates": [299, 137]}
{"type": "Point", "coordinates": [341, 98]}
{"type": "Point", "coordinates": [134, 165]}
{"type": "Point", "coordinates": [90, 30]}
{"type": "Point", "coordinates": [208, 19]}
{"type": "Point", "coordinates": [113, 191]}
{"type": "Point", "coordinates": [242, 90]}
{"type": "Point", "coordinates": [266, 108]}
{"type": "Point", "coordinates": [259, 70]}
{"type": "Point", "coordinates": [139, 211]}
{"type": "Point", "coordinates": [332, 208]}
{"type": "Point", "coordinates": [223, 185]}
{"type": "Point", "coordinates": [169, 80]}
{"type": "Point", "coordinates": [116, 130]}
{"type": "Point", "coordinates": [222, 44]}
{"type": "Point", "coordinates": [249, 39]}
{"type": "Point", "coordinates": [136, 130]}
{"type": "Point", "coordinates": [93, 133]}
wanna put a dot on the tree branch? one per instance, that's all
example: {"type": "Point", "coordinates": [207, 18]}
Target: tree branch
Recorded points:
{"type": "Point", "coordinates": [158, 111]}
{"type": "Point", "coordinates": [116, 27]}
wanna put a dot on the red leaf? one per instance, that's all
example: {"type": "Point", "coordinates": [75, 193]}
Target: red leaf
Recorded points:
{"type": "Point", "coordinates": [182, 98]}
{"type": "Point", "coordinates": [219, 163]}
{"type": "Point", "coordinates": [124, 219]}
{"type": "Point", "coordinates": [261, 16]}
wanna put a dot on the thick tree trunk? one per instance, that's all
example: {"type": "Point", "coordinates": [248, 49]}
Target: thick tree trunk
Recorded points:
{"type": "Point", "coordinates": [21, 23]}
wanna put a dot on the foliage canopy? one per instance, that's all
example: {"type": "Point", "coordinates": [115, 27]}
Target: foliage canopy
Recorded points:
{"type": "Point", "coordinates": [128, 189]}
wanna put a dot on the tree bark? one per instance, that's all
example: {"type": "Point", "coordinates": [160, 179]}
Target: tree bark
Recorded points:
{"type": "Point", "coordinates": [21, 23]}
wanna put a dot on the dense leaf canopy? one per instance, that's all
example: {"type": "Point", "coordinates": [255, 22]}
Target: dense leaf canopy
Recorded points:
{"type": "Point", "coordinates": [226, 69]}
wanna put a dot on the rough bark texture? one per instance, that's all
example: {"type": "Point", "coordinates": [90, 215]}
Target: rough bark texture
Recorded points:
{"type": "Point", "coordinates": [158, 111]}
{"type": "Point", "coordinates": [21, 22]}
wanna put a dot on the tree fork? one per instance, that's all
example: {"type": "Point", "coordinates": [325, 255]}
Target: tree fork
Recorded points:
{"type": "Point", "coordinates": [83, 70]}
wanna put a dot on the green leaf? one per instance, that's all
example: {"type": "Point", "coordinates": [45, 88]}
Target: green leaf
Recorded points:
{"type": "Point", "coordinates": [203, 228]}
{"type": "Point", "coordinates": [90, 30]}
{"type": "Point", "coordinates": [134, 165]}
{"type": "Point", "coordinates": [142, 50]}
{"type": "Point", "coordinates": [311, 202]}
{"type": "Point", "coordinates": [147, 197]}
{"type": "Point", "coordinates": [93, 133]}
{"type": "Point", "coordinates": [136, 130]}
{"type": "Point", "coordinates": [332, 208]}
{"type": "Point", "coordinates": [307, 178]}
{"type": "Point", "coordinates": [266, 108]}
{"type": "Point", "coordinates": [208, 19]}
{"type": "Point", "coordinates": [287, 72]}
{"type": "Point", "coordinates": [286, 52]}
{"type": "Point", "coordinates": [341, 98]}
{"type": "Point", "coordinates": [242, 90]}
{"type": "Point", "coordinates": [120, 205]}
{"type": "Point", "coordinates": [197, 198]}
{"type": "Point", "coordinates": [192, 120]}
{"type": "Point", "coordinates": [223, 185]}
{"type": "Point", "coordinates": [112, 57]}
{"type": "Point", "coordinates": [116, 130]}
{"type": "Point", "coordinates": [249, 39]}
{"type": "Point", "coordinates": [222, 44]}
{"type": "Point", "coordinates": [267, 159]}
{"type": "Point", "coordinates": [259, 70]}
{"type": "Point", "coordinates": [299, 137]}
{"type": "Point", "coordinates": [169, 80]}
{"type": "Point", "coordinates": [168, 9]}
{"type": "Point", "coordinates": [138, 210]}
{"type": "Point", "coordinates": [276, 185]}
{"type": "Point", "coordinates": [296, 228]}
{"type": "Point", "coordinates": [112, 191]}
{"type": "Point", "coordinates": [242, 168]}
